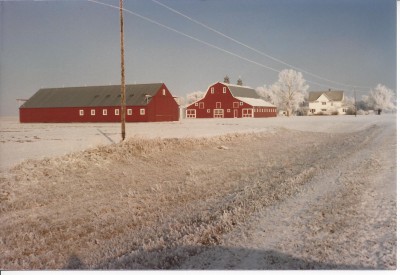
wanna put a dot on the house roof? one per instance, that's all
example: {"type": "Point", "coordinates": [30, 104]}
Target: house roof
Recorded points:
{"type": "Point", "coordinates": [256, 102]}
{"type": "Point", "coordinates": [332, 95]}
{"type": "Point", "coordinates": [136, 95]}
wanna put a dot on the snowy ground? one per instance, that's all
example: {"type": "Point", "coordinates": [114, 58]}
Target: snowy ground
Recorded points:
{"type": "Point", "coordinates": [285, 193]}
{"type": "Point", "coordinates": [19, 142]}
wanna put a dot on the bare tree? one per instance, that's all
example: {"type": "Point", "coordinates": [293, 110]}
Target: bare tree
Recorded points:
{"type": "Point", "coordinates": [290, 90]}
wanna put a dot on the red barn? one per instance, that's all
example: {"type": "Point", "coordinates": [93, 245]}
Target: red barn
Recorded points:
{"type": "Point", "coordinates": [144, 103]}
{"type": "Point", "coordinates": [224, 100]}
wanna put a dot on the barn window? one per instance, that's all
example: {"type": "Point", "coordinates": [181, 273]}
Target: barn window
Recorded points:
{"type": "Point", "coordinates": [228, 110]}
{"type": "Point", "coordinates": [201, 105]}
{"type": "Point", "coordinates": [196, 104]}
{"type": "Point", "coordinates": [235, 104]}
{"type": "Point", "coordinates": [219, 113]}
{"type": "Point", "coordinates": [212, 90]}
{"type": "Point", "coordinates": [93, 112]}
{"type": "Point", "coordinates": [129, 112]}
{"type": "Point", "coordinates": [218, 105]}
{"type": "Point", "coordinates": [81, 113]}
{"type": "Point", "coordinates": [104, 112]}
{"type": "Point", "coordinates": [142, 112]}
{"type": "Point", "coordinates": [116, 112]}
{"type": "Point", "coordinates": [163, 91]}
{"type": "Point", "coordinates": [241, 103]}
{"type": "Point", "coordinates": [224, 90]}
{"type": "Point", "coordinates": [208, 110]}
{"type": "Point", "coordinates": [191, 113]}
{"type": "Point", "coordinates": [247, 113]}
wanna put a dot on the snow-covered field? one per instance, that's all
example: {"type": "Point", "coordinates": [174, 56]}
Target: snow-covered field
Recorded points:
{"type": "Point", "coordinates": [276, 193]}
{"type": "Point", "coordinates": [19, 142]}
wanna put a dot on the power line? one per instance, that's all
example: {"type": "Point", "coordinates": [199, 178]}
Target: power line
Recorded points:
{"type": "Point", "coordinates": [255, 50]}
{"type": "Point", "coordinates": [201, 41]}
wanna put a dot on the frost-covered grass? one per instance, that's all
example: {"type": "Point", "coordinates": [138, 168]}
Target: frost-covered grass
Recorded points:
{"type": "Point", "coordinates": [151, 203]}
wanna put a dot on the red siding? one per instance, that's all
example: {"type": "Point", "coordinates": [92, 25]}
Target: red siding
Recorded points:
{"type": "Point", "coordinates": [205, 107]}
{"type": "Point", "coordinates": [160, 108]}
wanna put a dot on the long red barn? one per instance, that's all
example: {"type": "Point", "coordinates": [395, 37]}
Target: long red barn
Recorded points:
{"type": "Point", "coordinates": [224, 100]}
{"type": "Point", "coordinates": [144, 103]}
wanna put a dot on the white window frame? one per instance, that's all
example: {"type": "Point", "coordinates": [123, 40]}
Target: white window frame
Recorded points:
{"type": "Point", "coordinates": [191, 113]}
{"type": "Point", "coordinates": [241, 103]}
{"type": "Point", "coordinates": [196, 104]}
{"type": "Point", "coordinates": [201, 105]}
{"type": "Point", "coordinates": [163, 91]}
{"type": "Point", "coordinates": [116, 112]}
{"type": "Point", "coordinates": [212, 90]}
{"type": "Point", "coordinates": [129, 112]}
{"type": "Point", "coordinates": [218, 113]}
{"type": "Point", "coordinates": [218, 105]}
{"type": "Point", "coordinates": [235, 104]}
{"type": "Point", "coordinates": [104, 112]}
{"type": "Point", "coordinates": [247, 112]}
{"type": "Point", "coordinates": [81, 112]}
{"type": "Point", "coordinates": [208, 110]}
{"type": "Point", "coordinates": [224, 90]}
{"type": "Point", "coordinates": [228, 110]}
{"type": "Point", "coordinates": [142, 111]}
{"type": "Point", "coordinates": [92, 112]}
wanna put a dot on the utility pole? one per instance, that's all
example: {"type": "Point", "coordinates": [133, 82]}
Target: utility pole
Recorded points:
{"type": "Point", "coordinates": [355, 102]}
{"type": "Point", "coordinates": [123, 101]}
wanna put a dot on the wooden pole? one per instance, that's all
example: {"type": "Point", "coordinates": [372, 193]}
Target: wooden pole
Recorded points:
{"type": "Point", "coordinates": [123, 101]}
{"type": "Point", "coordinates": [355, 103]}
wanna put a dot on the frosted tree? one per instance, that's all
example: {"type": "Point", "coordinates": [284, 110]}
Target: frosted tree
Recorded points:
{"type": "Point", "coordinates": [268, 95]}
{"type": "Point", "coordinates": [180, 100]}
{"type": "Point", "coordinates": [290, 90]}
{"type": "Point", "coordinates": [194, 96]}
{"type": "Point", "coordinates": [382, 98]}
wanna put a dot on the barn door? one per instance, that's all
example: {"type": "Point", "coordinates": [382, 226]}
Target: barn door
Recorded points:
{"type": "Point", "coordinates": [235, 113]}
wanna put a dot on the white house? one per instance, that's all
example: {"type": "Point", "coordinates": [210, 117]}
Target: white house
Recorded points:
{"type": "Point", "coordinates": [326, 103]}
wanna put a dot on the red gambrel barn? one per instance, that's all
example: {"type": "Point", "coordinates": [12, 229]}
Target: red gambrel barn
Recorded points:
{"type": "Point", "coordinates": [223, 100]}
{"type": "Point", "coordinates": [144, 103]}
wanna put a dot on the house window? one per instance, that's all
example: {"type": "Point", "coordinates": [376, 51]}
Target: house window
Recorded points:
{"type": "Point", "coordinates": [116, 112]}
{"type": "Point", "coordinates": [224, 90]}
{"type": "Point", "coordinates": [218, 105]}
{"type": "Point", "coordinates": [142, 112]}
{"type": "Point", "coordinates": [323, 110]}
{"type": "Point", "coordinates": [212, 90]}
{"type": "Point", "coordinates": [104, 112]}
{"type": "Point", "coordinates": [129, 112]}
{"type": "Point", "coordinates": [201, 105]}
{"type": "Point", "coordinates": [344, 110]}
{"type": "Point", "coordinates": [92, 112]}
{"type": "Point", "coordinates": [191, 113]}
{"type": "Point", "coordinates": [235, 104]}
{"type": "Point", "coordinates": [312, 110]}
{"type": "Point", "coordinates": [323, 103]}
{"type": "Point", "coordinates": [81, 112]}
{"type": "Point", "coordinates": [163, 91]}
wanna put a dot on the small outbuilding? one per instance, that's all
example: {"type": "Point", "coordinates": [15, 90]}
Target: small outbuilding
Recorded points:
{"type": "Point", "coordinates": [144, 103]}
{"type": "Point", "coordinates": [223, 100]}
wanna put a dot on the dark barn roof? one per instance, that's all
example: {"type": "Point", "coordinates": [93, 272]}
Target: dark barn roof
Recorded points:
{"type": "Point", "coordinates": [332, 95]}
{"type": "Point", "coordinates": [136, 95]}
{"type": "Point", "coordinates": [242, 91]}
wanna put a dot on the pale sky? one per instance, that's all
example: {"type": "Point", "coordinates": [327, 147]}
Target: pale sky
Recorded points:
{"type": "Point", "coordinates": [76, 42]}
